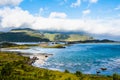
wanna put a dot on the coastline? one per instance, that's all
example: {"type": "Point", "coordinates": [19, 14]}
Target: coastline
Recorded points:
{"type": "Point", "coordinates": [40, 57]}
{"type": "Point", "coordinates": [57, 66]}
{"type": "Point", "coordinates": [16, 68]}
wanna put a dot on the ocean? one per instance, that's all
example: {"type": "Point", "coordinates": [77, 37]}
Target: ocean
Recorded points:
{"type": "Point", "coordinates": [87, 58]}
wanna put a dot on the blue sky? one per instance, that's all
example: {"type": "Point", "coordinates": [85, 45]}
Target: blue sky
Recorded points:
{"type": "Point", "coordinates": [98, 9]}
{"type": "Point", "coordinates": [97, 17]}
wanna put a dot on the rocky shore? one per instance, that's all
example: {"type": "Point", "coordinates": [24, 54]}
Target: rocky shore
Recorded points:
{"type": "Point", "coordinates": [37, 58]}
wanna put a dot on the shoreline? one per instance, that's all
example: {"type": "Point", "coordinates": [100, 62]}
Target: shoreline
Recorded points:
{"type": "Point", "coordinates": [16, 68]}
{"type": "Point", "coordinates": [40, 58]}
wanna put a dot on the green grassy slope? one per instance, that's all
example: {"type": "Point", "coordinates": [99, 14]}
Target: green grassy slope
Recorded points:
{"type": "Point", "coordinates": [32, 33]}
{"type": "Point", "coordinates": [54, 36]}
{"type": "Point", "coordinates": [67, 37]}
{"type": "Point", "coordinates": [77, 37]}
{"type": "Point", "coordinates": [15, 67]}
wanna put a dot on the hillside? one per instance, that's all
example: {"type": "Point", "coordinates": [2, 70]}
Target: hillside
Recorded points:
{"type": "Point", "coordinates": [20, 37]}
{"type": "Point", "coordinates": [53, 36]}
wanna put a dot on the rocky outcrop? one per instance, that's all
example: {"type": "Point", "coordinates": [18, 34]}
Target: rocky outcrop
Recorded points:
{"type": "Point", "coordinates": [32, 60]}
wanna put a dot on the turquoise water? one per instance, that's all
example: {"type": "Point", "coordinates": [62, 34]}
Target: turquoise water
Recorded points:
{"type": "Point", "coordinates": [87, 58]}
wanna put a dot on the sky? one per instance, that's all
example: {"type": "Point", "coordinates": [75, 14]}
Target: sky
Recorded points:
{"type": "Point", "coordinates": [98, 17]}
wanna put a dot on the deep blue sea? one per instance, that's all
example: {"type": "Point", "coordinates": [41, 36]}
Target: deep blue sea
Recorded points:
{"type": "Point", "coordinates": [87, 58]}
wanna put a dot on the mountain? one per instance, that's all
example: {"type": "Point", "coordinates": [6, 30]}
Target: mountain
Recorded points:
{"type": "Point", "coordinates": [21, 35]}
{"type": "Point", "coordinates": [30, 35]}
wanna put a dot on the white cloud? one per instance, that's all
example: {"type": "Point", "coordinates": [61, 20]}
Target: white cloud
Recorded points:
{"type": "Point", "coordinates": [117, 8]}
{"type": "Point", "coordinates": [16, 17]}
{"type": "Point", "coordinates": [76, 4]}
{"type": "Point", "coordinates": [63, 2]}
{"type": "Point", "coordinates": [93, 1]}
{"type": "Point", "coordinates": [57, 15]}
{"type": "Point", "coordinates": [90, 2]}
{"type": "Point", "coordinates": [41, 10]}
{"type": "Point", "coordinates": [10, 2]}
{"type": "Point", "coordinates": [85, 12]}
{"type": "Point", "coordinates": [90, 26]}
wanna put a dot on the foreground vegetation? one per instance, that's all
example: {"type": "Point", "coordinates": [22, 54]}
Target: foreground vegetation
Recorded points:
{"type": "Point", "coordinates": [15, 67]}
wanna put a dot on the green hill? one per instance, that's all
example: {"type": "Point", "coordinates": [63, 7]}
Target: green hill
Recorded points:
{"type": "Point", "coordinates": [66, 37]}
{"type": "Point", "coordinates": [20, 37]}
{"type": "Point", "coordinates": [54, 36]}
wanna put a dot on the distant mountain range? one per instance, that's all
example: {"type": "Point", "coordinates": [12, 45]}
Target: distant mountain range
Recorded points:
{"type": "Point", "coordinates": [30, 35]}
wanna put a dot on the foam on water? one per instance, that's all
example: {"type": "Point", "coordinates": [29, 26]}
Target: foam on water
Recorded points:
{"type": "Point", "coordinates": [87, 58]}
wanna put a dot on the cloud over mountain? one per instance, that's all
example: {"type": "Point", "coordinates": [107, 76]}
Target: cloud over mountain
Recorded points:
{"type": "Point", "coordinates": [16, 17]}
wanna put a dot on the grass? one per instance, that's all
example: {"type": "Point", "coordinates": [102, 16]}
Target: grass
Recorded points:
{"type": "Point", "coordinates": [77, 37]}
{"type": "Point", "coordinates": [72, 37]}
{"type": "Point", "coordinates": [19, 47]}
{"type": "Point", "coordinates": [50, 36]}
{"type": "Point", "coordinates": [25, 46]}
{"type": "Point", "coordinates": [55, 46]}
{"type": "Point", "coordinates": [15, 67]}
